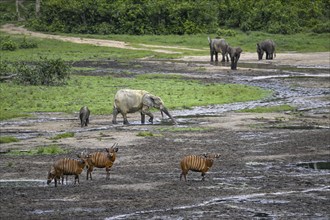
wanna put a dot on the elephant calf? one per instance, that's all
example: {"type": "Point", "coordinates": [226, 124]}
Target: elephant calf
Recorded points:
{"type": "Point", "coordinates": [84, 116]}
{"type": "Point", "coordinates": [130, 101]}
{"type": "Point", "coordinates": [234, 53]}
{"type": "Point", "coordinates": [218, 46]}
{"type": "Point", "coordinates": [267, 46]}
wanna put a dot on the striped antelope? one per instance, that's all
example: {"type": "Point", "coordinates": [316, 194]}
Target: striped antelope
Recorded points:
{"type": "Point", "coordinates": [102, 160]}
{"type": "Point", "coordinates": [66, 166]}
{"type": "Point", "coordinates": [197, 163]}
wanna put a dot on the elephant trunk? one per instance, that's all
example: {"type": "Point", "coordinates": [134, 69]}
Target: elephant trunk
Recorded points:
{"type": "Point", "coordinates": [168, 114]}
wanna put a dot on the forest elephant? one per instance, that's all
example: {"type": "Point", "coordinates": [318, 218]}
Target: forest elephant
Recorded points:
{"type": "Point", "coordinates": [234, 53]}
{"type": "Point", "coordinates": [84, 116]}
{"type": "Point", "coordinates": [130, 101]}
{"type": "Point", "coordinates": [218, 46]}
{"type": "Point", "coordinates": [267, 46]}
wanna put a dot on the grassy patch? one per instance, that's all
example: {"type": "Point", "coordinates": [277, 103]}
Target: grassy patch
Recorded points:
{"type": "Point", "coordinates": [98, 94]}
{"type": "Point", "coordinates": [268, 109]}
{"type": "Point", "coordinates": [184, 129]}
{"type": "Point", "coordinates": [64, 135]}
{"type": "Point", "coordinates": [301, 42]}
{"type": "Point", "coordinates": [147, 134]}
{"type": "Point", "coordinates": [41, 150]}
{"type": "Point", "coordinates": [7, 139]}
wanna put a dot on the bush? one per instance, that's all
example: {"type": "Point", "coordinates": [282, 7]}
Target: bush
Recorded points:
{"type": "Point", "coordinates": [25, 44]}
{"type": "Point", "coordinates": [6, 68]}
{"type": "Point", "coordinates": [8, 45]}
{"type": "Point", "coordinates": [226, 32]}
{"type": "Point", "coordinates": [322, 28]}
{"type": "Point", "coordinates": [44, 72]}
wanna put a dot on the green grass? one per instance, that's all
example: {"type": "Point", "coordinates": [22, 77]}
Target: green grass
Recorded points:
{"type": "Point", "coordinates": [98, 92]}
{"type": "Point", "coordinates": [7, 139]}
{"type": "Point", "coordinates": [302, 42]}
{"type": "Point", "coordinates": [184, 129]}
{"type": "Point", "coordinates": [41, 150]}
{"type": "Point", "coordinates": [279, 108]}
{"type": "Point", "coordinates": [64, 135]}
{"type": "Point", "coordinates": [147, 134]}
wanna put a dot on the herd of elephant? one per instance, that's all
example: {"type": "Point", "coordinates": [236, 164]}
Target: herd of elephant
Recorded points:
{"type": "Point", "coordinates": [130, 101]}
{"type": "Point", "coordinates": [219, 45]}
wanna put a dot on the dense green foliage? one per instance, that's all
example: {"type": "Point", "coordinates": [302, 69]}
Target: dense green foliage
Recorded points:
{"type": "Point", "coordinates": [139, 17]}
{"type": "Point", "coordinates": [7, 43]}
{"type": "Point", "coordinates": [47, 72]}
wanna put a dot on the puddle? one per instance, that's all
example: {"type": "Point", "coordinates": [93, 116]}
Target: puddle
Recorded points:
{"type": "Point", "coordinates": [69, 210]}
{"type": "Point", "coordinates": [257, 198]}
{"type": "Point", "coordinates": [324, 165]}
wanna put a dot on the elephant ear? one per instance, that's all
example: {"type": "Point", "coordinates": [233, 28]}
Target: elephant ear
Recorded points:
{"type": "Point", "coordinates": [148, 100]}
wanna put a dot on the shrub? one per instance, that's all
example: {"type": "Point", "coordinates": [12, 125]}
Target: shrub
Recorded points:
{"type": "Point", "coordinates": [8, 45]}
{"type": "Point", "coordinates": [6, 68]}
{"type": "Point", "coordinates": [226, 32]}
{"type": "Point", "coordinates": [322, 28]}
{"type": "Point", "coordinates": [44, 72]}
{"type": "Point", "coordinates": [25, 44]}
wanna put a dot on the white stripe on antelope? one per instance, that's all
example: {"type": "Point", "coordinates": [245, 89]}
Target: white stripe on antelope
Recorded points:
{"type": "Point", "coordinates": [102, 160]}
{"type": "Point", "coordinates": [66, 166]}
{"type": "Point", "coordinates": [197, 163]}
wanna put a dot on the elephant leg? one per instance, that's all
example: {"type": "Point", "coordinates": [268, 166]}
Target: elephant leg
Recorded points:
{"type": "Point", "coordinates": [143, 118]}
{"type": "Point", "coordinates": [125, 118]}
{"type": "Point", "coordinates": [211, 54]}
{"type": "Point", "coordinates": [223, 57]}
{"type": "Point", "coordinates": [232, 60]}
{"type": "Point", "coordinates": [267, 55]}
{"type": "Point", "coordinates": [145, 111]}
{"type": "Point", "coordinates": [114, 115]}
{"type": "Point", "coordinates": [216, 57]}
{"type": "Point", "coordinates": [151, 119]}
{"type": "Point", "coordinates": [227, 57]}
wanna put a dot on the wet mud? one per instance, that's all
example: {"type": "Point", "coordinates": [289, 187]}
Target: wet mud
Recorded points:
{"type": "Point", "coordinates": [272, 165]}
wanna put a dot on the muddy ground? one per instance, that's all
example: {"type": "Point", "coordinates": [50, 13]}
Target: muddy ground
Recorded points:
{"type": "Point", "coordinates": [257, 176]}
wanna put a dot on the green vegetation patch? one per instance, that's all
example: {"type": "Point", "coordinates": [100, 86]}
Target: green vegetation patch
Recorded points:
{"type": "Point", "coordinates": [268, 109]}
{"type": "Point", "coordinates": [98, 94]}
{"type": "Point", "coordinates": [41, 150]}
{"type": "Point", "coordinates": [64, 135]}
{"type": "Point", "coordinates": [8, 139]}
{"type": "Point", "coordinates": [184, 129]}
{"type": "Point", "coordinates": [145, 134]}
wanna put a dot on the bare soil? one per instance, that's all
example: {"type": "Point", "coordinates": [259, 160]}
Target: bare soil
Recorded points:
{"type": "Point", "coordinates": [256, 177]}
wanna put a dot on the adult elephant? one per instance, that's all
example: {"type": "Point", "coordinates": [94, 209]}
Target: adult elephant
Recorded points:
{"type": "Point", "coordinates": [267, 46]}
{"type": "Point", "coordinates": [234, 53]}
{"type": "Point", "coordinates": [218, 46]}
{"type": "Point", "coordinates": [130, 101]}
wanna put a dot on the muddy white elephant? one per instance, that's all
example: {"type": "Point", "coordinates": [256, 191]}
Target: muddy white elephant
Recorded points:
{"type": "Point", "coordinates": [218, 46]}
{"type": "Point", "coordinates": [130, 101]}
{"type": "Point", "coordinates": [267, 46]}
{"type": "Point", "coordinates": [234, 53]}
